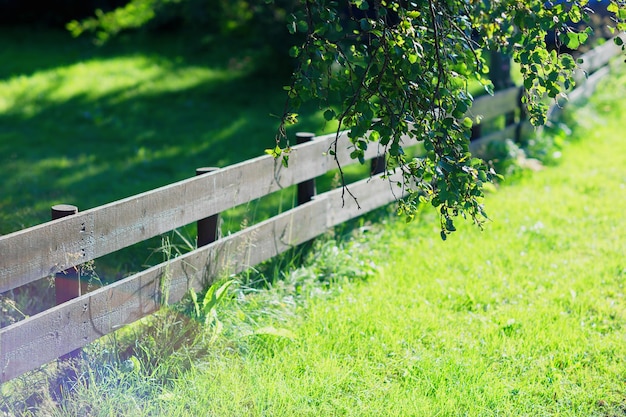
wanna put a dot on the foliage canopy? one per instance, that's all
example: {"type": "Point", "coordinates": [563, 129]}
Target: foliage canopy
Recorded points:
{"type": "Point", "coordinates": [393, 69]}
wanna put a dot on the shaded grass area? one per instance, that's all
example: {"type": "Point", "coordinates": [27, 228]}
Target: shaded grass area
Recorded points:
{"type": "Point", "coordinates": [113, 122]}
{"type": "Point", "coordinates": [526, 318]}
{"type": "Point", "coordinates": [86, 126]}
{"type": "Point", "coordinates": [103, 124]}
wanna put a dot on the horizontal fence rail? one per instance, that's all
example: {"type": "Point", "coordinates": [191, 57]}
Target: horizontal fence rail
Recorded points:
{"type": "Point", "coordinates": [67, 242]}
{"type": "Point", "coordinates": [61, 329]}
{"type": "Point", "coordinates": [502, 102]}
{"type": "Point", "coordinates": [593, 67]}
{"type": "Point", "coordinates": [596, 58]}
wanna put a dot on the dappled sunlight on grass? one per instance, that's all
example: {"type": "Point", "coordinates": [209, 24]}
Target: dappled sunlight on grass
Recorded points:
{"type": "Point", "coordinates": [113, 80]}
{"type": "Point", "coordinates": [106, 127]}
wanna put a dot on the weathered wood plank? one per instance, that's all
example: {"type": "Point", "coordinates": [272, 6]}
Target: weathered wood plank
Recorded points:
{"type": "Point", "coordinates": [42, 250]}
{"type": "Point", "coordinates": [502, 102]}
{"type": "Point", "coordinates": [367, 195]}
{"type": "Point", "coordinates": [42, 338]}
{"type": "Point", "coordinates": [50, 334]}
{"type": "Point", "coordinates": [599, 56]}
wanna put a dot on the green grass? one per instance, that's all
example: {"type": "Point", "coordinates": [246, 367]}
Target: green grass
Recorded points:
{"type": "Point", "coordinates": [113, 122]}
{"type": "Point", "coordinates": [525, 318]}
{"type": "Point", "coordinates": [86, 126]}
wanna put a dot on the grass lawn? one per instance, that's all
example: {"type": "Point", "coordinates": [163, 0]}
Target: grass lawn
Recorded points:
{"type": "Point", "coordinates": [526, 318]}
{"type": "Point", "coordinates": [86, 126]}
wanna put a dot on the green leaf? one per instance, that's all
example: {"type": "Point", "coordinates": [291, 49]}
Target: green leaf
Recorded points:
{"type": "Point", "coordinates": [302, 26]}
{"type": "Point", "coordinates": [194, 300]}
{"type": "Point", "coordinates": [275, 152]}
{"type": "Point", "coordinates": [136, 363]}
{"type": "Point", "coordinates": [291, 118]}
{"type": "Point", "coordinates": [362, 4]}
{"type": "Point", "coordinates": [572, 41]}
{"type": "Point", "coordinates": [292, 25]}
{"type": "Point", "coordinates": [276, 332]}
{"type": "Point", "coordinates": [489, 88]}
{"type": "Point", "coordinates": [528, 83]}
{"type": "Point", "coordinates": [457, 114]}
{"type": "Point", "coordinates": [214, 295]}
{"type": "Point", "coordinates": [294, 51]}
{"type": "Point", "coordinates": [329, 115]}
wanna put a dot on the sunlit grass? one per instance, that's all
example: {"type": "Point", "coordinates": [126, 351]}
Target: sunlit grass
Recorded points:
{"type": "Point", "coordinates": [525, 318]}
{"type": "Point", "coordinates": [115, 80]}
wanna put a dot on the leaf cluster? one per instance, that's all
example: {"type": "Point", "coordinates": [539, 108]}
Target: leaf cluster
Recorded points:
{"type": "Point", "coordinates": [396, 70]}
{"type": "Point", "coordinates": [392, 70]}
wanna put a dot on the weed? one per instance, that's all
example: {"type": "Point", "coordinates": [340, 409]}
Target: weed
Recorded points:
{"type": "Point", "coordinates": [206, 312]}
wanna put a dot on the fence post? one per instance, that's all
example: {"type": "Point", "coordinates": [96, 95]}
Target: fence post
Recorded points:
{"type": "Point", "coordinates": [67, 283]}
{"type": "Point", "coordinates": [377, 165]}
{"type": "Point", "coordinates": [306, 189]}
{"type": "Point", "coordinates": [476, 131]}
{"type": "Point", "coordinates": [500, 76]}
{"type": "Point", "coordinates": [500, 71]}
{"type": "Point", "coordinates": [208, 229]}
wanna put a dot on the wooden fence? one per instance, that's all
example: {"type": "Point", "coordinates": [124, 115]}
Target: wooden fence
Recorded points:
{"type": "Point", "coordinates": [67, 242]}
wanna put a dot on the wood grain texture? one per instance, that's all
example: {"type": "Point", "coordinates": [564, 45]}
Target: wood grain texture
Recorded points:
{"type": "Point", "coordinates": [369, 194]}
{"type": "Point", "coordinates": [42, 338]}
{"type": "Point", "coordinates": [45, 249]}
{"type": "Point", "coordinates": [597, 58]}
{"type": "Point", "coordinates": [589, 85]}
